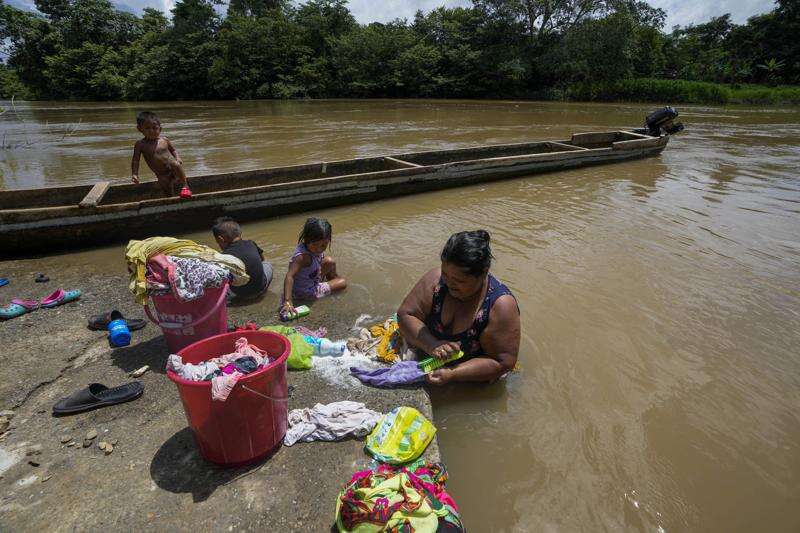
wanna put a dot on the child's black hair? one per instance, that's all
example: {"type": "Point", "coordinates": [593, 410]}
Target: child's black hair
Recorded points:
{"type": "Point", "coordinates": [469, 250]}
{"type": "Point", "coordinates": [227, 228]}
{"type": "Point", "coordinates": [145, 116]}
{"type": "Point", "coordinates": [315, 229]}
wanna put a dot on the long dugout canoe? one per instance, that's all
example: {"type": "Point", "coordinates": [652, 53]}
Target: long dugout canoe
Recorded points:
{"type": "Point", "coordinates": [61, 218]}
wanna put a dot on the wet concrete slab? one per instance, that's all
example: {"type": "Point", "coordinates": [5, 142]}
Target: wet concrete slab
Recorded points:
{"type": "Point", "coordinates": [155, 478]}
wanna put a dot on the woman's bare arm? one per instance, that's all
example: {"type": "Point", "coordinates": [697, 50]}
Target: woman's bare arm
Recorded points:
{"type": "Point", "coordinates": [413, 311]}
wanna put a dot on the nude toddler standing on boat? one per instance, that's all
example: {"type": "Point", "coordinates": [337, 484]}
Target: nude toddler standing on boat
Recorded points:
{"type": "Point", "coordinates": [159, 154]}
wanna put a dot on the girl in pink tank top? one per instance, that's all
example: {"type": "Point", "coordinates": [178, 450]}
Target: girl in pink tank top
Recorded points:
{"type": "Point", "coordinates": [312, 274]}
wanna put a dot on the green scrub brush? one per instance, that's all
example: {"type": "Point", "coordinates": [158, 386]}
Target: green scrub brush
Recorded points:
{"type": "Point", "coordinates": [432, 363]}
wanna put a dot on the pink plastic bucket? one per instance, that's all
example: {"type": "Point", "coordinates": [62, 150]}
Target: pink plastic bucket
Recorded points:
{"type": "Point", "coordinates": [252, 422]}
{"type": "Point", "coordinates": [186, 322]}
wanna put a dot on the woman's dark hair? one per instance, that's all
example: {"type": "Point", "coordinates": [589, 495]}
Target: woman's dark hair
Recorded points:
{"type": "Point", "coordinates": [315, 229]}
{"type": "Point", "coordinates": [469, 250]}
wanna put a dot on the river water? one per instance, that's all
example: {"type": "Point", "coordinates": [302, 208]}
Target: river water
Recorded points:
{"type": "Point", "coordinates": [659, 387]}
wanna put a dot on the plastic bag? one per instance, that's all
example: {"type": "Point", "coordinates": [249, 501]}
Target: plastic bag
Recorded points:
{"type": "Point", "coordinates": [300, 356]}
{"type": "Point", "coordinates": [400, 436]}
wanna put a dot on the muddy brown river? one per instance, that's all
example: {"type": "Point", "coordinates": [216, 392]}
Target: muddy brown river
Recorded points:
{"type": "Point", "coordinates": [659, 387]}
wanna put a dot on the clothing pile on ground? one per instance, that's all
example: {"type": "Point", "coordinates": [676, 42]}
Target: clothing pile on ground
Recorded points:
{"type": "Point", "coordinates": [403, 493]}
{"type": "Point", "coordinates": [164, 265]}
{"type": "Point", "coordinates": [398, 498]}
{"type": "Point", "coordinates": [382, 342]}
{"type": "Point", "coordinates": [330, 422]}
{"type": "Point", "coordinates": [223, 371]}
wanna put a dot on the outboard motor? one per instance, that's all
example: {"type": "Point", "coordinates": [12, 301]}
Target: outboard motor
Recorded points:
{"type": "Point", "coordinates": [661, 120]}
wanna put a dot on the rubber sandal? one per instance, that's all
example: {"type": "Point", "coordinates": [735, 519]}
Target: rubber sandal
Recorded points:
{"type": "Point", "coordinates": [100, 322]}
{"type": "Point", "coordinates": [12, 311]}
{"type": "Point", "coordinates": [17, 308]}
{"type": "Point", "coordinates": [59, 297]}
{"type": "Point", "coordinates": [3, 282]}
{"type": "Point", "coordinates": [41, 278]}
{"type": "Point", "coordinates": [29, 305]}
{"type": "Point", "coordinates": [98, 395]}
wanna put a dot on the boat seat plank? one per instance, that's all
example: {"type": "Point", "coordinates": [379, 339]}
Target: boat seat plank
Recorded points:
{"type": "Point", "coordinates": [401, 162]}
{"type": "Point", "coordinates": [96, 194]}
{"type": "Point", "coordinates": [567, 146]}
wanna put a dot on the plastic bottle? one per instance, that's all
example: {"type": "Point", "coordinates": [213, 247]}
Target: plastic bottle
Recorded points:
{"type": "Point", "coordinates": [118, 332]}
{"type": "Point", "coordinates": [330, 348]}
{"type": "Point", "coordinates": [326, 347]}
{"type": "Point", "coordinates": [299, 311]}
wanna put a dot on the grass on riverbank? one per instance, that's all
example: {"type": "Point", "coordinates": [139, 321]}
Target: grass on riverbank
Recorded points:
{"type": "Point", "coordinates": [682, 92]}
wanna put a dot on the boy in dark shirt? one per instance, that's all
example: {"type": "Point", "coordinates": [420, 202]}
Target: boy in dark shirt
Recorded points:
{"type": "Point", "coordinates": [228, 235]}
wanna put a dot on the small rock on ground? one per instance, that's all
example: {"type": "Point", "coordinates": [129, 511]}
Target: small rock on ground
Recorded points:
{"type": "Point", "coordinates": [139, 371]}
{"type": "Point", "coordinates": [91, 435]}
{"type": "Point", "coordinates": [36, 449]}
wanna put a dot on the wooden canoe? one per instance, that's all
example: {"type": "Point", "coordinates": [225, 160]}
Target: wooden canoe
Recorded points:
{"type": "Point", "coordinates": [58, 218]}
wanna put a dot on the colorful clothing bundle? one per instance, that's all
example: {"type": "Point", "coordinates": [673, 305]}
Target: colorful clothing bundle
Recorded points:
{"type": "Point", "coordinates": [186, 279]}
{"type": "Point", "coordinates": [330, 422]}
{"type": "Point", "coordinates": [138, 253]}
{"type": "Point", "coordinates": [223, 371]}
{"type": "Point", "coordinates": [400, 374]}
{"type": "Point", "coordinates": [398, 499]}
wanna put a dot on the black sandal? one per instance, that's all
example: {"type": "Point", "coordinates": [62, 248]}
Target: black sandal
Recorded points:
{"type": "Point", "coordinates": [100, 322]}
{"type": "Point", "coordinates": [98, 395]}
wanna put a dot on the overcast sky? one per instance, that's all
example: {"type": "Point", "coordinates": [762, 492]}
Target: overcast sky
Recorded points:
{"type": "Point", "coordinates": [681, 12]}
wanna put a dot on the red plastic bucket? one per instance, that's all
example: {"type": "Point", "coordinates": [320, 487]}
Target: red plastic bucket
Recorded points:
{"type": "Point", "coordinates": [251, 423]}
{"type": "Point", "coordinates": [186, 322]}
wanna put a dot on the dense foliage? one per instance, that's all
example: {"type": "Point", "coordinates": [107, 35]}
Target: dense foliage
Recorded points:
{"type": "Point", "coordinates": [589, 49]}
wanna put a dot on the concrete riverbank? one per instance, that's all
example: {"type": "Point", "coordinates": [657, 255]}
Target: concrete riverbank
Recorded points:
{"type": "Point", "coordinates": [154, 479]}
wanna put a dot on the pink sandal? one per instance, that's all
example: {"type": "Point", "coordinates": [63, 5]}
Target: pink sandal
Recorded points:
{"type": "Point", "coordinates": [60, 296]}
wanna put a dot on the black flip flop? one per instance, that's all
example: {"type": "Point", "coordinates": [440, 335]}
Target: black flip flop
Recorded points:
{"type": "Point", "coordinates": [100, 322]}
{"type": "Point", "coordinates": [98, 395]}
{"type": "Point", "coordinates": [41, 278]}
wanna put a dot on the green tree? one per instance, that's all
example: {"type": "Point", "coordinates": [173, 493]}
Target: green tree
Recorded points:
{"type": "Point", "coordinates": [257, 57]}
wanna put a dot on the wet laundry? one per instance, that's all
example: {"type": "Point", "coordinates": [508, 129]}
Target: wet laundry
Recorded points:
{"type": "Point", "coordinates": [318, 333]}
{"type": "Point", "coordinates": [398, 498]}
{"type": "Point", "coordinates": [138, 253]}
{"type": "Point", "coordinates": [186, 279]}
{"type": "Point", "coordinates": [330, 422]}
{"type": "Point", "coordinates": [382, 342]}
{"type": "Point", "coordinates": [401, 374]}
{"type": "Point", "coordinates": [223, 371]}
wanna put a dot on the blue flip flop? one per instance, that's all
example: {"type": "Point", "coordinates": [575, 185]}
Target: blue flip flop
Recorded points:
{"type": "Point", "coordinates": [3, 282]}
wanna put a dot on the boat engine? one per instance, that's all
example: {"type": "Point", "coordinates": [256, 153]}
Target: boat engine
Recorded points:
{"type": "Point", "coordinates": [662, 120]}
